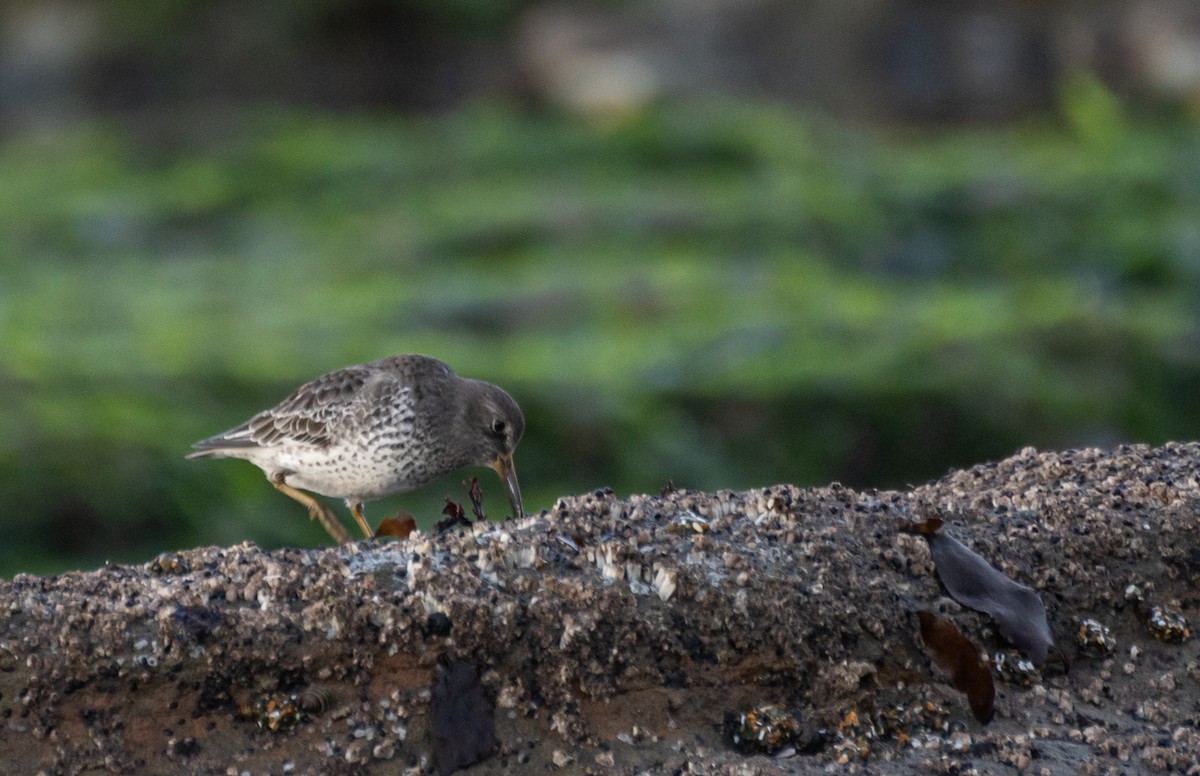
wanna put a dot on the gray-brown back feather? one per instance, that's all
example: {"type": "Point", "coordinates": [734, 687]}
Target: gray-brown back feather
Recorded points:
{"type": "Point", "coordinates": [313, 414]}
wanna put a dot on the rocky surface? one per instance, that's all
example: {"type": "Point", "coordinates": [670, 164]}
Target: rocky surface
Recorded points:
{"type": "Point", "coordinates": [618, 635]}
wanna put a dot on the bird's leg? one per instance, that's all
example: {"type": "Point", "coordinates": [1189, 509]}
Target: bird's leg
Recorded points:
{"type": "Point", "coordinates": [316, 510]}
{"type": "Point", "coordinates": [356, 510]}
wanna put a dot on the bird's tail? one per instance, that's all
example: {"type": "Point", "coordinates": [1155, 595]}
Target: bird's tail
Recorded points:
{"type": "Point", "coordinates": [209, 452]}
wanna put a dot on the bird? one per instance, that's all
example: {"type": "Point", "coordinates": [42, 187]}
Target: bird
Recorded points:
{"type": "Point", "coordinates": [374, 430]}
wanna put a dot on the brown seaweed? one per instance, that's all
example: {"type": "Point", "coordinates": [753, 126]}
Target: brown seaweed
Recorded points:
{"type": "Point", "coordinates": [955, 654]}
{"type": "Point", "coordinates": [454, 515]}
{"type": "Point", "coordinates": [400, 526]}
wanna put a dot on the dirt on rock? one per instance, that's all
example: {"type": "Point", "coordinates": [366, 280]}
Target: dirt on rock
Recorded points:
{"type": "Point", "coordinates": [638, 635]}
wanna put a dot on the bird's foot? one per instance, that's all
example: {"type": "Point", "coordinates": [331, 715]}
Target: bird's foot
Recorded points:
{"type": "Point", "coordinates": [320, 512]}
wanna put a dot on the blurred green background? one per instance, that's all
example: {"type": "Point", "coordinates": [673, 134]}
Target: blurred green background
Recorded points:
{"type": "Point", "coordinates": [703, 251]}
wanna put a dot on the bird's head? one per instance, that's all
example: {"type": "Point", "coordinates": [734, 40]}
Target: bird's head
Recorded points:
{"type": "Point", "coordinates": [496, 425]}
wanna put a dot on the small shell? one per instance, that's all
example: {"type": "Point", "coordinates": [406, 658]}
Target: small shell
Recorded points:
{"type": "Point", "coordinates": [315, 699]}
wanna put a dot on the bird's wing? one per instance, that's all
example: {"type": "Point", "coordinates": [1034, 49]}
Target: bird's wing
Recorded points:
{"type": "Point", "coordinates": [305, 417]}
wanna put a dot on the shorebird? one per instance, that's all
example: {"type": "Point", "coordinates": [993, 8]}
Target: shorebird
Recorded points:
{"type": "Point", "coordinates": [373, 430]}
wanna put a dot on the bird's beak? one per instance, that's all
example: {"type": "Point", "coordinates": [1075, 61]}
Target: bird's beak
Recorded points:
{"type": "Point", "coordinates": [503, 466]}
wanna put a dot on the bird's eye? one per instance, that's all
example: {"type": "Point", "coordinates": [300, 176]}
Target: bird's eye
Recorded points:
{"type": "Point", "coordinates": [498, 426]}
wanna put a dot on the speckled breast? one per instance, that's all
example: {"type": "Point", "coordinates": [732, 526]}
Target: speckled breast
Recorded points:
{"type": "Point", "coordinates": [366, 471]}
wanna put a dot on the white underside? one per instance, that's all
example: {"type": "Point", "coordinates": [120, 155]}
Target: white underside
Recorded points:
{"type": "Point", "coordinates": [333, 472]}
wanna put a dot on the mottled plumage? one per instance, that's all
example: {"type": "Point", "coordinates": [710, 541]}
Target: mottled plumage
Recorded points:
{"type": "Point", "coordinates": [372, 430]}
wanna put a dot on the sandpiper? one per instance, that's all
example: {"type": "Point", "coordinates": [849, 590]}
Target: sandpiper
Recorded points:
{"type": "Point", "coordinates": [373, 430]}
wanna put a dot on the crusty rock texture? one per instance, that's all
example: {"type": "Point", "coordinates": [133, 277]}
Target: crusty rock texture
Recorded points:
{"type": "Point", "coordinates": [628, 635]}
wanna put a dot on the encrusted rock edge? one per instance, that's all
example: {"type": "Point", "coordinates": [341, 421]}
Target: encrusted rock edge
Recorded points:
{"type": "Point", "coordinates": [614, 635]}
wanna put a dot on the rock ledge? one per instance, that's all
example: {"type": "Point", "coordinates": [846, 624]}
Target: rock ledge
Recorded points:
{"type": "Point", "coordinates": [617, 635]}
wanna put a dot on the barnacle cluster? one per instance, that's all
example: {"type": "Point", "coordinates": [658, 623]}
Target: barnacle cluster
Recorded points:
{"type": "Point", "coordinates": [1094, 639]}
{"type": "Point", "coordinates": [1014, 668]}
{"type": "Point", "coordinates": [276, 711]}
{"type": "Point", "coordinates": [1168, 624]}
{"type": "Point", "coordinates": [169, 563]}
{"type": "Point", "coordinates": [688, 522]}
{"type": "Point", "coordinates": [764, 730]}
{"type": "Point", "coordinates": [853, 737]}
{"type": "Point", "coordinates": [856, 734]}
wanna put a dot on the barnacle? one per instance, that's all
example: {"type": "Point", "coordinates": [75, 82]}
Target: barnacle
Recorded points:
{"type": "Point", "coordinates": [1094, 639]}
{"type": "Point", "coordinates": [664, 582]}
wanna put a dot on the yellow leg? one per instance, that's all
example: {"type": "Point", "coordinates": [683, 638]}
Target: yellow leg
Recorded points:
{"type": "Point", "coordinates": [356, 510]}
{"type": "Point", "coordinates": [316, 510]}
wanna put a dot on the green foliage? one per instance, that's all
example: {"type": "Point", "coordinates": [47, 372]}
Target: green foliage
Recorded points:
{"type": "Point", "coordinates": [722, 295]}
